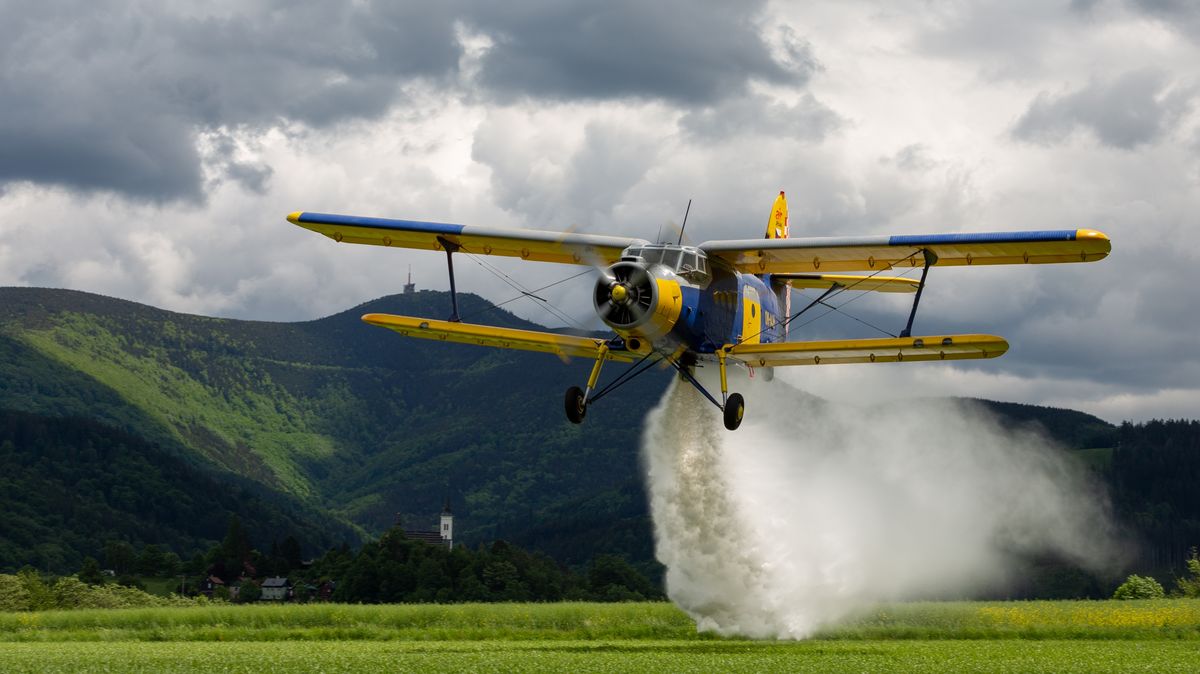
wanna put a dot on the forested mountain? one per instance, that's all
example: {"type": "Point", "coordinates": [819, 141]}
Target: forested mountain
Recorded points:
{"type": "Point", "coordinates": [342, 418]}
{"type": "Point", "coordinates": [70, 484]}
{"type": "Point", "coordinates": [1154, 478]}
{"type": "Point", "coordinates": [127, 421]}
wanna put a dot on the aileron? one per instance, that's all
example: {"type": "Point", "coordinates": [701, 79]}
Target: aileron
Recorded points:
{"type": "Point", "coordinates": [887, 350]}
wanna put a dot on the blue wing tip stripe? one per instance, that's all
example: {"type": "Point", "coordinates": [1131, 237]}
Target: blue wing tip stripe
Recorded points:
{"type": "Point", "coordinates": [986, 237]}
{"type": "Point", "coordinates": [380, 223]}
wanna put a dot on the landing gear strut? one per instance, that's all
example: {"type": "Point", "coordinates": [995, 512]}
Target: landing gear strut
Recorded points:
{"type": "Point", "coordinates": [733, 405]}
{"type": "Point", "coordinates": [577, 399]}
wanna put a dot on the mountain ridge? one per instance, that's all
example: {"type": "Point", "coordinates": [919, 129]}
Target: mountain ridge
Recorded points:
{"type": "Point", "coordinates": [355, 427]}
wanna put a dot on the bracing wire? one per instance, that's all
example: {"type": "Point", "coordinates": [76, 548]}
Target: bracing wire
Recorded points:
{"type": "Point", "coordinates": [839, 290]}
{"type": "Point", "coordinates": [529, 294]}
{"type": "Point", "coordinates": [838, 308]}
{"type": "Point", "coordinates": [525, 292]}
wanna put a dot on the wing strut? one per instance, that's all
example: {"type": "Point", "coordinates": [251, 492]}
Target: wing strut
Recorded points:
{"type": "Point", "coordinates": [930, 260]}
{"type": "Point", "coordinates": [451, 247]}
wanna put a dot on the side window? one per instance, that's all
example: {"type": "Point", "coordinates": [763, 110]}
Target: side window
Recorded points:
{"type": "Point", "coordinates": [689, 261]}
{"type": "Point", "coordinates": [671, 258]}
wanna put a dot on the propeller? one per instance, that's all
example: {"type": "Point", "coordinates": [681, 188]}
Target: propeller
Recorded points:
{"type": "Point", "coordinates": [625, 295]}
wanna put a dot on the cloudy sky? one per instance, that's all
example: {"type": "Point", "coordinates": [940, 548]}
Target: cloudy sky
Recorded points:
{"type": "Point", "coordinates": [151, 150]}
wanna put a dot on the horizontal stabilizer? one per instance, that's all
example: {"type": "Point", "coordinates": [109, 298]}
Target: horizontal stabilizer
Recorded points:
{"type": "Point", "coordinates": [889, 350]}
{"type": "Point", "coordinates": [564, 346]}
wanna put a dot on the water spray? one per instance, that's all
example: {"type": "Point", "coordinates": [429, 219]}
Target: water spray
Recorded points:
{"type": "Point", "coordinates": [813, 511]}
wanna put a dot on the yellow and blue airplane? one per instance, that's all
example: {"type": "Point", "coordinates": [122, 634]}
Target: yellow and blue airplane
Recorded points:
{"type": "Point", "coordinates": [723, 301]}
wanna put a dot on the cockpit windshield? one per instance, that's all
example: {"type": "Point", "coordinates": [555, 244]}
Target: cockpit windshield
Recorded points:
{"type": "Point", "coordinates": [686, 261]}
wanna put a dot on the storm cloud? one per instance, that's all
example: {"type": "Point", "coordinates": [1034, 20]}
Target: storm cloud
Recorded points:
{"type": "Point", "coordinates": [150, 151]}
{"type": "Point", "coordinates": [689, 52]}
{"type": "Point", "coordinates": [113, 95]}
{"type": "Point", "coordinates": [1133, 109]}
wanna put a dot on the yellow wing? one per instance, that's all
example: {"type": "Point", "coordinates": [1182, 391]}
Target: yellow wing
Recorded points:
{"type": "Point", "coordinates": [564, 346]}
{"type": "Point", "coordinates": [891, 350]}
{"type": "Point", "coordinates": [879, 284]}
{"type": "Point", "coordinates": [527, 244]}
{"type": "Point", "coordinates": [861, 253]}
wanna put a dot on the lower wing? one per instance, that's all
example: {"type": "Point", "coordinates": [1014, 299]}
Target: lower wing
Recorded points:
{"type": "Point", "coordinates": [892, 350]}
{"type": "Point", "coordinates": [564, 346]}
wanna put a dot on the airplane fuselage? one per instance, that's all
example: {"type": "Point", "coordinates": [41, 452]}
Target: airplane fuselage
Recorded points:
{"type": "Point", "coordinates": [665, 297]}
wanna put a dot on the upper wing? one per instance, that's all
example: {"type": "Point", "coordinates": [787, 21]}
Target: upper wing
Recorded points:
{"type": "Point", "coordinates": [527, 244]}
{"type": "Point", "coordinates": [862, 253]}
{"type": "Point", "coordinates": [564, 346]}
{"type": "Point", "coordinates": [891, 350]}
{"type": "Point", "coordinates": [879, 284]}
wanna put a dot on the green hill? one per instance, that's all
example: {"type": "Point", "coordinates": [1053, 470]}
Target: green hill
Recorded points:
{"type": "Point", "coordinates": [337, 417]}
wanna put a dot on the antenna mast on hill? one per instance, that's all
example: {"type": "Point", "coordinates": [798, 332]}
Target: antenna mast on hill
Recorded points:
{"type": "Point", "coordinates": [410, 287]}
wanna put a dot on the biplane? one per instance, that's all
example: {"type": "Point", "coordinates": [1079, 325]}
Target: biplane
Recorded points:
{"type": "Point", "coordinates": [724, 301]}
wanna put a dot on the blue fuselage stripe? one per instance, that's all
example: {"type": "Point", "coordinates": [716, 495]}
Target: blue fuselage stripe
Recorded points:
{"type": "Point", "coordinates": [381, 223]}
{"type": "Point", "coordinates": [987, 237]}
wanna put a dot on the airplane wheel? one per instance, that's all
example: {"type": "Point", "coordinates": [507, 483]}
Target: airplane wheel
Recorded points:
{"type": "Point", "coordinates": [576, 405]}
{"type": "Point", "coordinates": [735, 407]}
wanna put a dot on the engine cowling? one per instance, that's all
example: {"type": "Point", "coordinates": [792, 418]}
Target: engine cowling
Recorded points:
{"type": "Point", "coordinates": [639, 305]}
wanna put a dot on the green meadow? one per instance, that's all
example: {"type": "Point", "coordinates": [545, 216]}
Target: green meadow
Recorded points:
{"type": "Point", "coordinates": [1153, 635]}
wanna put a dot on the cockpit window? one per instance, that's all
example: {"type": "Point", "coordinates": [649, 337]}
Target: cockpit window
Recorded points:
{"type": "Point", "coordinates": [690, 263]}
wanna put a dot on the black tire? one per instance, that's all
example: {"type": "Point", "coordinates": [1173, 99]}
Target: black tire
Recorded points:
{"type": "Point", "coordinates": [735, 407]}
{"type": "Point", "coordinates": [576, 405]}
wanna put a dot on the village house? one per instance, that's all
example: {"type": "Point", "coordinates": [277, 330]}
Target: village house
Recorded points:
{"type": "Point", "coordinates": [276, 589]}
{"type": "Point", "coordinates": [208, 585]}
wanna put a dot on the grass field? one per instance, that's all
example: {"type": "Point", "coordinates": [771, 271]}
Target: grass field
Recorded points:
{"type": "Point", "coordinates": [951, 636]}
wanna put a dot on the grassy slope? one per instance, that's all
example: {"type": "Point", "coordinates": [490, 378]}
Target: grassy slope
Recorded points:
{"type": "Point", "coordinates": [960, 636]}
{"type": "Point", "coordinates": [1162, 619]}
{"type": "Point", "coordinates": [668, 657]}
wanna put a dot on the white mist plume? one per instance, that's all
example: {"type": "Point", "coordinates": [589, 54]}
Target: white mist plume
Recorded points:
{"type": "Point", "coordinates": [811, 511]}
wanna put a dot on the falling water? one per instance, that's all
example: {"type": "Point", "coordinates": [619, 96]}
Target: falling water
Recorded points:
{"type": "Point", "coordinates": [812, 511]}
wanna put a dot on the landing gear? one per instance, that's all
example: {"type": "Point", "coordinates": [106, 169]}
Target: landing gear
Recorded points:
{"type": "Point", "coordinates": [576, 404]}
{"type": "Point", "coordinates": [576, 401]}
{"type": "Point", "coordinates": [732, 405]}
{"type": "Point", "coordinates": [735, 407]}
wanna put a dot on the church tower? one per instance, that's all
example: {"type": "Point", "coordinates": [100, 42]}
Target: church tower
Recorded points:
{"type": "Point", "coordinates": [447, 529]}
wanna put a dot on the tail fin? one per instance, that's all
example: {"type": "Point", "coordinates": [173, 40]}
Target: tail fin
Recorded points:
{"type": "Point", "coordinates": [777, 225]}
{"type": "Point", "coordinates": [777, 228]}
